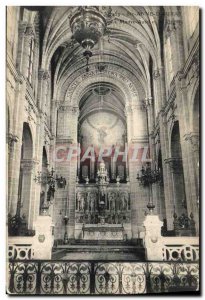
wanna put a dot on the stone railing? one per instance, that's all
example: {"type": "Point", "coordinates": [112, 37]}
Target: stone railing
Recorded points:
{"type": "Point", "coordinates": [168, 248]}
{"type": "Point", "coordinates": [180, 248]}
{"type": "Point", "coordinates": [100, 277]}
{"type": "Point", "coordinates": [20, 248]}
{"type": "Point", "coordinates": [38, 246]}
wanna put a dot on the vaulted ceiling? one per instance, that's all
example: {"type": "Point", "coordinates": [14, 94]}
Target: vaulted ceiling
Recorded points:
{"type": "Point", "coordinates": [131, 43]}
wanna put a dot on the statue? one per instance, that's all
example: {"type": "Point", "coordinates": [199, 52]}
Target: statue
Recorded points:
{"type": "Point", "coordinates": [92, 200]}
{"type": "Point", "coordinates": [112, 199]}
{"type": "Point", "coordinates": [123, 205]}
{"type": "Point", "coordinates": [80, 201]}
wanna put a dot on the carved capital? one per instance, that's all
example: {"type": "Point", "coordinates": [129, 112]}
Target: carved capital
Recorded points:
{"type": "Point", "coordinates": [156, 74]}
{"type": "Point", "coordinates": [148, 102]}
{"type": "Point", "coordinates": [11, 139]}
{"type": "Point", "coordinates": [28, 164]}
{"type": "Point", "coordinates": [193, 138]}
{"type": "Point", "coordinates": [29, 31]}
{"type": "Point", "coordinates": [175, 164]}
{"type": "Point", "coordinates": [43, 74]}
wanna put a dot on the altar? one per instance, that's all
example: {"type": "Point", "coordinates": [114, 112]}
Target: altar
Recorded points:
{"type": "Point", "coordinates": [103, 232]}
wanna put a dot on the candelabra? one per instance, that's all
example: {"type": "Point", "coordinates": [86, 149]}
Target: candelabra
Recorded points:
{"type": "Point", "coordinates": [51, 180]}
{"type": "Point", "coordinates": [146, 178]}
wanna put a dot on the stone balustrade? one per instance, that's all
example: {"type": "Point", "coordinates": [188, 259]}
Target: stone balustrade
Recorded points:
{"type": "Point", "coordinates": [38, 246]}
{"type": "Point", "coordinates": [168, 248]}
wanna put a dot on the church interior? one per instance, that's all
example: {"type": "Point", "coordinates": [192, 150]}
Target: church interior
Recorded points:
{"type": "Point", "coordinates": [103, 129]}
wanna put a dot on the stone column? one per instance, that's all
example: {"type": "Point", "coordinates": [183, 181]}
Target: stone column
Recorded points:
{"type": "Point", "coordinates": [54, 112]}
{"type": "Point", "coordinates": [175, 165]}
{"type": "Point", "coordinates": [156, 190]}
{"type": "Point", "coordinates": [67, 167]}
{"type": "Point", "coordinates": [15, 150]}
{"type": "Point", "coordinates": [26, 33]}
{"type": "Point", "coordinates": [43, 77]}
{"type": "Point", "coordinates": [160, 99]}
{"type": "Point", "coordinates": [25, 36]}
{"type": "Point", "coordinates": [73, 173]}
{"type": "Point", "coordinates": [192, 140]}
{"type": "Point", "coordinates": [188, 156]}
{"type": "Point", "coordinates": [138, 142]}
{"type": "Point", "coordinates": [28, 190]}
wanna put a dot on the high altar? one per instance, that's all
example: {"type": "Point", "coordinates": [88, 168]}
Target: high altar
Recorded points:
{"type": "Point", "coordinates": [103, 208]}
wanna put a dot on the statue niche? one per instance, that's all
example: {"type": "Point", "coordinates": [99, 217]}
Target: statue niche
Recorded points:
{"type": "Point", "coordinates": [91, 199]}
{"type": "Point", "coordinates": [80, 201]}
{"type": "Point", "coordinates": [124, 201]}
{"type": "Point", "coordinates": [112, 200]}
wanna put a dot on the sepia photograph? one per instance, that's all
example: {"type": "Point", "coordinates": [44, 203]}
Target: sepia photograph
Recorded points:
{"type": "Point", "coordinates": [102, 150]}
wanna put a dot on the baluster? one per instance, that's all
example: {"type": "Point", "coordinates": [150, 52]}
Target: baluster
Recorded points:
{"type": "Point", "coordinates": [11, 283]}
{"type": "Point", "coordinates": [38, 279]}
{"type": "Point", "coordinates": [148, 279]}
{"type": "Point", "coordinates": [92, 278]}
{"type": "Point", "coordinates": [120, 278]}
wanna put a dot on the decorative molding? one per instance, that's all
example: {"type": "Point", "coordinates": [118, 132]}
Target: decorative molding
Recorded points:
{"type": "Point", "coordinates": [64, 139]}
{"type": "Point", "coordinates": [110, 70]}
{"type": "Point", "coordinates": [74, 110]}
{"type": "Point", "coordinates": [101, 67]}
{"type": "Point", "coordinates": [175, 164]}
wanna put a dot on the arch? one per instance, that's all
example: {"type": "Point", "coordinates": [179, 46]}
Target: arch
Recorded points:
{"type": "Point", "coordinates": [78, 88]}
{"type": "Point", "coordinates": [175, 141]}
{"type": "Point", "coordinates": [27, 142]}
{"type": "Point", "coordinates": [44, 157]}
{"type": "Point", "coordinates": [25, 173]}
{"type": "Point", "coordinates": [114, 74]}
{"type": "Point", "coordinates": [44, 170]}
{"type": "Point", "coordinates": [177, 171]}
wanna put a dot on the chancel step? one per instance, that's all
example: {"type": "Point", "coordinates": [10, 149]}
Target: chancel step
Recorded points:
{"type": "Point", "coordinates": [97, 252]}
